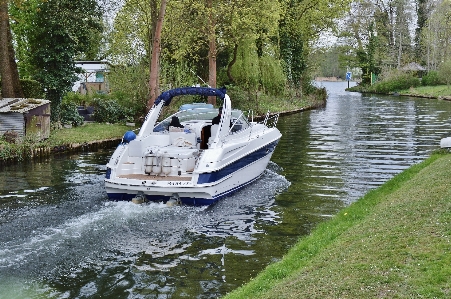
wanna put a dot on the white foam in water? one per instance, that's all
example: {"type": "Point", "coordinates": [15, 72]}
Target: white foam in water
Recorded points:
{"type": "Point", "coordinates": [49, 239]}
{"type": "Point", "coordinates": [17, 193]}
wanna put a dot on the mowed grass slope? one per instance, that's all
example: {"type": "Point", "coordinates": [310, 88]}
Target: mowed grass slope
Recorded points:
{"type": "Point", "coordinates": [392, 243]}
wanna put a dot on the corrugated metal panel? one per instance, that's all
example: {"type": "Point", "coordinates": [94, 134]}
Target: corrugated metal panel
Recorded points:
{"type": "Point", "coordinates": [20, 105]}
{"type": "Point", "coordinates": [12, 122]}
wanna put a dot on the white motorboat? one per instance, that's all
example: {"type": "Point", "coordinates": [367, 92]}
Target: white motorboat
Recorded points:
{"type": "Point", "coordinates": [197, 164]}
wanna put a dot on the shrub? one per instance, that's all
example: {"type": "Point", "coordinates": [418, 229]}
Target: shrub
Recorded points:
{"type": "Point", "coordinates": [395, 81]}
{"type": "Point", "coordinates": [69, 114]}
{"type": "Point", "coordinates": [109, 110]}
{"type": "Point", "coordinates": [444, 72]}
{"type": "Point", "coordinates": [11, 136]}
{"type": "Point", "coordinates": [431, 79]}
{"type": "Point", "coordinates": [76, 98]}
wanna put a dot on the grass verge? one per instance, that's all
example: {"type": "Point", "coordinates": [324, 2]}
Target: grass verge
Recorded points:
{"type": "Point", "coordinates": [392, 243]}
{"type": "Point", "coordinates": [428, 91]}
{"type": "Point", "coordinates": [439, 91]}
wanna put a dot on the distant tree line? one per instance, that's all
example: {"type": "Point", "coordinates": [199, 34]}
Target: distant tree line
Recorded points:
{"type": "Point", "coordinates": [257, 45]}
{"type": "Point", "coordinates": [381, 35]}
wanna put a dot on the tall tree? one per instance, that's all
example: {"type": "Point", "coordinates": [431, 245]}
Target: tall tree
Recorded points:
{"type": "Point", "coordinates": [437, 35]}
{"type": "Point", "coordinates": [212, 52]}
{"type": "Point", "coordinates": [301, 24]}
{"type": "Point", "coordinates": [154, 63]}
{"type": "Point", "coordinates": [8, 68]}
{"type": "Point", "coordinates": [60, 32]}
{"type": "Point", "coordinates": [422, 16]}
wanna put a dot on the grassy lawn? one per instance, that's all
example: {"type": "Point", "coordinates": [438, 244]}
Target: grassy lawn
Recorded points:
{"type": "Point", "coordinates": [392, 243]}
{"type": "Point", "coordinates": [430, 91]}
{"type": "Point", "coordinates": [87, 132]}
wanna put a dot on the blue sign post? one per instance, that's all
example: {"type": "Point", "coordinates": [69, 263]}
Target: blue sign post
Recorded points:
{"type": "Point", "coordinates": [348, 77]}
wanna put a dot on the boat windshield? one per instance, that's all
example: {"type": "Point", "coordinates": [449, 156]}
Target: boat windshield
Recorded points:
{"type": "Point", "coordinates": [186, 115]}
{"type": "Point", "coordinates": [239, 121]}
{"type": "Point", "coordinates": [238, 118]}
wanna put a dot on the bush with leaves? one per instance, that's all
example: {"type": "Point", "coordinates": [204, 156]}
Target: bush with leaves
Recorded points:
{"type": "Point", "coordinates": [69, 114]}
{"type": "Point", "coordinates": [431, 79]}
{"type": "Point", "coordinates": [109, 110]}
{"type": "Point", "coordinates": [394, 81]}
{"type": "Point", "coordinates": [77, 98]}
{"type": "Point", "coordinates": [444, 72]}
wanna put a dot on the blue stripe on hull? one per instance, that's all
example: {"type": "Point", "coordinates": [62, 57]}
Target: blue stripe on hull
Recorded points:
{"type": "Point", "coordinates": [206, 178]}
{"type": "Point", "coordinates": [185, 200]}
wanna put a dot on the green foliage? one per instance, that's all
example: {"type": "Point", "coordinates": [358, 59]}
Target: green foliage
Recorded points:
{"type": "Point", "coordinates": [69, 114]}
{"type": "Point", "coordinates": [444, 72]}
{"type": "Point", "coordinates": [335, 61]}
{"type": "Point", "coordinates": [129, 85]}
{"type": "Point", "coordinates": [61, 31]}
{"type": "Point", "coordinates": [395, 81]}
{"type": "Point", "coordinates": [431, 79]}
{"type": "Point", "coordinates": [32, 89]}
{"type": "Point", "coordinates": [109, 110]}
{"type": "Point", "coordinates": [246, 70]}
{"type": "Point", "coordinates": [272, 77]}
{"type": "Point", "coordinates": [175, 74]}
{"type": "Point", "coordinates": [77, 98]}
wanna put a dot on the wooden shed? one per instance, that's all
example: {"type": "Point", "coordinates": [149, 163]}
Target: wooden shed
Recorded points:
{"type": "Point", "coordinates": [27, 117]}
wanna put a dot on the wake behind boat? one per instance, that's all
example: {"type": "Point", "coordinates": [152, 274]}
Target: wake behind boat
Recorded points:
{"type": "Point", "coordinates": [192, 160]}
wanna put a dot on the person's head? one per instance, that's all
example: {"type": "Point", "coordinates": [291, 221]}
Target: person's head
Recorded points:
{"type": "Point", "coordinates": [175, 120]}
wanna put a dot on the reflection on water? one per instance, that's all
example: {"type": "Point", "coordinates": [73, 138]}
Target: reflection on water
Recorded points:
{"type": "Point", "coordinates": [61, 238]}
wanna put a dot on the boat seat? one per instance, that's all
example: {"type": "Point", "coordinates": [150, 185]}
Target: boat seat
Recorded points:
{"type": "Point", "coordinates": [183, 139]}
{"type": "Point", "coordinates": [138, 147]}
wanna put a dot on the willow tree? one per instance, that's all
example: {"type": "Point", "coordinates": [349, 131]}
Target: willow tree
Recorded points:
{"type": "Point", "coordinates": [248, 24]}
{"type": "Point", "coordinates": [215, 33]}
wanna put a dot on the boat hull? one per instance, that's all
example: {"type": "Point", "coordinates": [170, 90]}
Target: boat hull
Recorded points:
{"type": "Point", "coordinates": [203, 192]}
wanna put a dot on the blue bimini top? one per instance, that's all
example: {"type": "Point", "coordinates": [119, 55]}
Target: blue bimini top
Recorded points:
{"type": "Point", "coordinates": [203, 91]}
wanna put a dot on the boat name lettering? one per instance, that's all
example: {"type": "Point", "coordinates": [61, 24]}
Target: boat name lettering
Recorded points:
{"type": "Point", "coordinates": [178, 183]}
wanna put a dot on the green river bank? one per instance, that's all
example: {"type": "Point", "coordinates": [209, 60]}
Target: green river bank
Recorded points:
{"type": "Point", "coordinates": [392, 243]}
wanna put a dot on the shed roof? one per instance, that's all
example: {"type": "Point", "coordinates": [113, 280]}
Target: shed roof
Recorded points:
{"type": "Point", "coordinates": [20, 105]}
{"type": "Point", "coordinates": [413, 66]}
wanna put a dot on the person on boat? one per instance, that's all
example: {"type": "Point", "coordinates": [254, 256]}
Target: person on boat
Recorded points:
{"type": "Point", "coordinates": [217, 118]}
{"type": "Point", "coordinates": [175, 122]}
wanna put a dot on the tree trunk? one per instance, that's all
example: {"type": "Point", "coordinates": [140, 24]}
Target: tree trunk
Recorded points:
{"type": "Point", "coordinates": [8, 68]}
{"type": "Point", "coordinates": [154, 63]}
{"type": "Point", "coordinates": [231, 63]}
{"type": "Point", "coordinates": [211, 51]}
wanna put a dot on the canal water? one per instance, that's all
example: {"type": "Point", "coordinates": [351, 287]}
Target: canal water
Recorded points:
{"type": "Point", "coordinates": [61, 238]}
